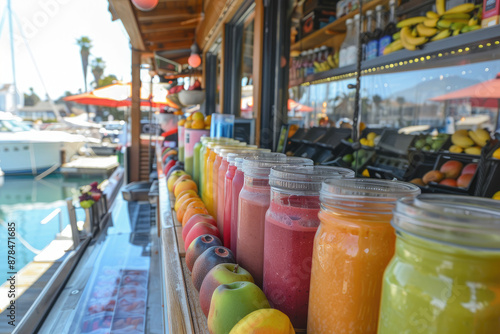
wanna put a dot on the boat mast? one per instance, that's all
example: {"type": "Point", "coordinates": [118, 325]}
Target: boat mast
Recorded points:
{"type": "Point", "coordinates": [11, 30]}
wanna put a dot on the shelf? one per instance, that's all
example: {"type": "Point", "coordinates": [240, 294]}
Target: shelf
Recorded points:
{"type": "Point", "coordinates": [336, 27]}
{"type": "Point", "coordinates": [475, 46]}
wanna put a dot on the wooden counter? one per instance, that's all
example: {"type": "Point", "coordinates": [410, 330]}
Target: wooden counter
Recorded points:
{"type": "Point", "coordinates": [181, 307]}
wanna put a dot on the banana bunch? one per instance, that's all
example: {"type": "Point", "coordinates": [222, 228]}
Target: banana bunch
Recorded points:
{"type": "Point", "coordinates": [416, 31]}
{"type": "Point", "coordinates": [469, 142]}
{"type": "Point", "coordinates": [331, 62]}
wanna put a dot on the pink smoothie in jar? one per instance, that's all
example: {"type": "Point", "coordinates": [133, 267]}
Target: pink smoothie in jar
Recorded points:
{"type": "Point", "coordinates": [291, 224]}
{"type": "Point", "coordinates": [253, 203]}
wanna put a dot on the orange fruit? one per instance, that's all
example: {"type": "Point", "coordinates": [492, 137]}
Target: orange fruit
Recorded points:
{"type": "Point", "coordinates": [189, 118]}
{"type": "Point", "coordinates": [183, 177]}
{"type": "Point", "coordinates": [181, 122]}
{"type": "Point", "coordinates": [208, 120]}
{"type": "Point", "coordinates": [185, 185]}
{"type": "Point", "coordinates": [188, 191]}
{"type": "Point", "coordinates": [187, 125]}
{"type": "Point", "coordinates": [198, 125]}
{"type": "Point", "coordinates": [184, 205]}
{"type": "Point", "coordinates": [198, 116]}
{"type": "Point", "coordinates": [183, 197]}
{"type": "Point", "coordinates": [191, 210]}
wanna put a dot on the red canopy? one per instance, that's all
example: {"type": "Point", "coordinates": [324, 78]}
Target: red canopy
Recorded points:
{"type": "Point", "coordinates": [119, 95]}
{"type": "Point", "coordinates": [483, 94]}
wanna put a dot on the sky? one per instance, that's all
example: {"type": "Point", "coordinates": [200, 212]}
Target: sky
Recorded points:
{"type": "Point", "coordinates": [51, 28]}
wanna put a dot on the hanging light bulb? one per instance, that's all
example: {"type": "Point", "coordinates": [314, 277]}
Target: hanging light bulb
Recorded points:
{"type": "Point", "coordinates": [145, 5]}
{"type": "Point", "coordinates": [194, 59]}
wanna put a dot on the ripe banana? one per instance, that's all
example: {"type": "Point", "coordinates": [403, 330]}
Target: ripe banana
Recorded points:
{"type": "Point", "coordinates": [461, 140]}
{"type": "Point", "coordinates": [440, 6]}
{"type": "Point", "coordinates": [442, 35]}
{"type": "Point", "coordinates": [473, 21]}
{"type": "Point", "coordinates": [409, 39]}
{"type": "Point", "coordinates": [394, 46]}
{"type": "Point", "coordinates": [411, 21]}
{"type": "Point", "coordinates": [331, 61]}
{"type": "Point", "coordinates": [405, 43]}
{"type": "Point", "coordinates": [456, 149]}
{"type": "Point", "coordinates": [456, 32]}
{"type": "Point", "coordinates": [317, 66]}
{"type": "Point", "coordinates": [431, 23]}
{"type": "Point", "coordinates": [455, 16]}
{"type": "Point", "coordinates": [480, 137]}
{"type": "Point", "coordinates": [396, 35]}
{"type": "Point", "coordinates": [414, 32]}
{"type": "Point", "coordinates": [473, 150]}
{"type": "Point", "coordinates": [432, 15]}
{"type": "Point", "coordinates": [462, 132]}
{"type": "Point", "coordinates": [463, 8]}
{"type": "Point", "coordinates": [425, 31]}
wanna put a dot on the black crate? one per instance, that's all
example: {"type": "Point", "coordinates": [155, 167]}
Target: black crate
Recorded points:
{"type": "Point", "coordinates": [464, 159]}
{"type": "Point", "coordinates": [488, 182]}
{"type": "Point", "coordinates": [393, 142]}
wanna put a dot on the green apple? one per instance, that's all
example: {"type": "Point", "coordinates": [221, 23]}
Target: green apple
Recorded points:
{"type": "Point", "coordinates": [231, 303]}
{"type": "Point", "coordinates": [223, 273]}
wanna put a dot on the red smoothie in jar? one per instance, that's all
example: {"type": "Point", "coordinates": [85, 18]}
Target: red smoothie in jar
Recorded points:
{"type": "Point", "coordinates": [228, 187]}
{"type": "Point", "coordinates": [252, 207]}
{"type": "Point", "coordinates": [291, 224]}
{"type": "Point", "coordinates": [221, 178]}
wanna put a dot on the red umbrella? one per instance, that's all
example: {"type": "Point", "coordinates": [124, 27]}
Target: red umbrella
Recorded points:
{"type": "Point", "coordinates": [119, 95]}
{"type": "Point", "coordinates": [293, 105]}
{"type": "Point", "coordinates": [483, 94]}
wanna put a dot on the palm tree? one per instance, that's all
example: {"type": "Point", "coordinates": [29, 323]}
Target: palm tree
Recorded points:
{"type": "Point", "coordinates": [98, 65]}
{"type": "Point", "coordinates": [85, 45]}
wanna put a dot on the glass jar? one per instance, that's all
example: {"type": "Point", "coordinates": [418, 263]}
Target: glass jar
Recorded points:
{"type": "Point", "coordinates": [253, 203]}
{"type": "Point", "coordinates": [445, 274]}
{"type": "Point", "coordinates": [352, 247]}
{"type": "Point", "coordinates": [237, 185]}
{"type": "Point", "coordinates": [204, 153]}
{"type": "Point", "coordinates": [291, 224]}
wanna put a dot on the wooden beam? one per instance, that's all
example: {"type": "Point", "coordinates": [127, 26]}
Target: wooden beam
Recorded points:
{"type": "Point", "coordinates": [166, 26]}
{"type": "Point", "coordinates": [159, 36]}
{"type": "Point", "coordinates": [124, 10]}
{"type": "Point", "coordinates": [167, 14]}
{"type": "Point", "coordinates": [135, 118]}
{"type": "Point", "coordinates": [170, 46]}
{"type": "Point", "coordinates": [258, 44]}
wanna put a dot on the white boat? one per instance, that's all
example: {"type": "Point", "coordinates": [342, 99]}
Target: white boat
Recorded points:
{"type": "Point", "coordinates": [26, 151]}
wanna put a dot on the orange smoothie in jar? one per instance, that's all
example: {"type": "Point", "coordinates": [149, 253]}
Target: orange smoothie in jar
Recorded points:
{"type": "Point", "coordinates": [352, 247]}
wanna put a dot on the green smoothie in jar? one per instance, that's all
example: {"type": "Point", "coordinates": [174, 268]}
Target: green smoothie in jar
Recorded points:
{"type": "Point", "coordinates": [445, 274]}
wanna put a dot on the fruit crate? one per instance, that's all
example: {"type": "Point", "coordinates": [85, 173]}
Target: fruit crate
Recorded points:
{"type": "Point", "coordinates": [464, 159]}
{"type": "Point", "coordinates": [330, 145]}
{"type": "Point", "coordinates": [436, 146]}
{"type": "Point", "coordinates": [366, 159]}
{"type": "Point", "coordinates": [393, 142]}
{"type": "Point", "coordinates": [386, 167]}
{"type": "Point", "coordinates": [306, 149]}
{"type": "Point", "coordinates": [488, 182]}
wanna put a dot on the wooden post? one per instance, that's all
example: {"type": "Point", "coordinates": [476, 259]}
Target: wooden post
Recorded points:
{"type": "Point", "coordinates": [257, 65]}
{"type": "Point", "coordinates": [135, 117]}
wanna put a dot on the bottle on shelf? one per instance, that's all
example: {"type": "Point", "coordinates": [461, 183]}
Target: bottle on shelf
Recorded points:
{"type": "Point", "coordinates": [310, 63]}
{"type": "Point", "coordinates": [302, 64]}
{"type": "Point", "coordinates": [389, 30]}
{"type": "Point", "coordinates": [372, 46]}
{"type": "Point", "coordinates": [367, 34]}
{"type": "Point", "coordinates": [345, 44]}
{"type": "Point", "coordinates": [352, 50]}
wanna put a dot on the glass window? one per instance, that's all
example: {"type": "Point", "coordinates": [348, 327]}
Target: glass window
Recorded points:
{"type": "Point", "coordinates": [405, 99]}
{"type": "Point", "coordinates": [247, 68]}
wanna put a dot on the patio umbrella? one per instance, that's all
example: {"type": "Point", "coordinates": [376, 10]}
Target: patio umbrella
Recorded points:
{"type": "Point", "coordinates": [119, 95]}
{"type": "Point", "coordinates": [293, 105]}
{"type": "Point", "coordinates": [484, 94]}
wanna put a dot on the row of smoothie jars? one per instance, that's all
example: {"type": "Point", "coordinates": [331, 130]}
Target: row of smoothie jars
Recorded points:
{"type": "Point", "coordinates": [444, 276]}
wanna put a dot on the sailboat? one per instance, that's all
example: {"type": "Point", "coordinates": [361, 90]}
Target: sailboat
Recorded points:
{"type": "Point", "coordinates": [27, 151]}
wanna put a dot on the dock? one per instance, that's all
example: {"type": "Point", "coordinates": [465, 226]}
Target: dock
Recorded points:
{"type": "Point", "coordinates": [91, 165]}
